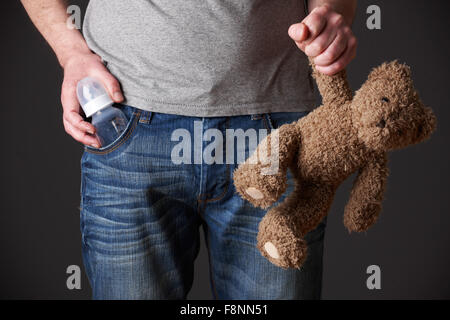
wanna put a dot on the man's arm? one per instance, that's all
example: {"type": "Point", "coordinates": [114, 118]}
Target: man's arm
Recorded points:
{"type": "Point", "coordinates": [325, 34]}
{"type": "Point", "coordinates": [49, 17]}
{"type": "Point", "coordinates": [78, 61]}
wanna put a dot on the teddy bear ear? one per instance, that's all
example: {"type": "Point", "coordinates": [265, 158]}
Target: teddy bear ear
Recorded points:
{"type": "Point", "coordinates": [391, 70]}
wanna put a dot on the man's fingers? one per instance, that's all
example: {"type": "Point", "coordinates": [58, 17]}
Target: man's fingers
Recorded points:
{"type": "Point", "coordinates": [75, 119]}
{"type": "Point", "coordinates": [333, 52]}
{"type": "Point", "coordinates": [111, 84]}
{"type": "Point", "coordinates": [316, 21]}
{"type": "Point", "coordinates": [310, 27]}
{"type": "Point", "coordinates": [74, 123]}
{"type": "Point", "coordinates": [325, 36]}
{"type": "Point", "coordinates": [298, 32]}
{"type": "Point", "coordinates": [342, 61]}
{"type": "Point", "coordinates": [71, 108]}
{"type": "Point", "coordinates": [321, 43]}
{"type": "Point", "coordinates": [80, 135]}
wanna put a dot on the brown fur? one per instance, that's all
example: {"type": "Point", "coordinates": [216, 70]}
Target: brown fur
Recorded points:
{"type": "Point", "coordinates": [346, 134]}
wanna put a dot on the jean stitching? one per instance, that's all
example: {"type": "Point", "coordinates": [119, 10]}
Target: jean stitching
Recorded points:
{"type": "Point", "coordinates": [124, 139]}
{"type": "Point", "coordinates": [200, 207]}
{"type": "Point", "coordinates": [87, 252]}
{"type": "Point", "coordinates": [146, 117]}
{"type": "Point", "coordinates": [225, 191]}
{"type": "Point", "coordinates": [227, 173]}
{"type": "Point", "coordinates": [82, 186]}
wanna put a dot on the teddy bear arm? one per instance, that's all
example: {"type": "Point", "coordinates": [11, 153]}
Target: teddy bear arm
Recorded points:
{"type": "Point", "coordinates": [335, 90]}
{"type": "Point", "coordinates": [366, 197]}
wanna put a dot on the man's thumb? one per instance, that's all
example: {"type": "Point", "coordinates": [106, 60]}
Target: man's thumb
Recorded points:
{"type": "Point", "coordinates": [299, 32]}
{"type": "Point", "coordinates": [113, 88]}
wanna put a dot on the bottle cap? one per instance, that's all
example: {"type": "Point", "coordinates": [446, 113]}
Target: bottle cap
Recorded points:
{"type": "Point", "coordinates": [92, 96]}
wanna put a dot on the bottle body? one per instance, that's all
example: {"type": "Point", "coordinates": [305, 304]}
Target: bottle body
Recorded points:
{"type": "Point", "coordinates": [110, 123]}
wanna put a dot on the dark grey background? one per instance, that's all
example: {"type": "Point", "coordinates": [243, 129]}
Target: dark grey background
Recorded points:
{"type": "Point", "coordinates": [40, 167]}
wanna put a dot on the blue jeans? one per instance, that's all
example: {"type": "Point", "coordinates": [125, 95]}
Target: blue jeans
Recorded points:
{"type": "Point", "coordinates": [141, 214]}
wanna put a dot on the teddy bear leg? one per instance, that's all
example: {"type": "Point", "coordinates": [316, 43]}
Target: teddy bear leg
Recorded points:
{"type": "Point", "coordinates": [279, 240]}
{"type": "Point", "coordinates": [282, 230]}
{"type": "Point", "coordinates": [261, 179]}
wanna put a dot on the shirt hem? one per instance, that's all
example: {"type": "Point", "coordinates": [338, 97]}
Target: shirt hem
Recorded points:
{"type": "Point", "coordinates": [222, 110]}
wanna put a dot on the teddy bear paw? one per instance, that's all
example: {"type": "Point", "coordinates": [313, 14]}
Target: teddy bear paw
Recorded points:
{"type": "Point", "coordinates": [259, 196]}
{"type": "Point", "coordinates": [254, 193]}
{"type": "Point", "coordinates": [284, 255]}
{"type": "Point", "coordinates": [260, 190]}
{"type": "Point", "coordinates": [271, 250]}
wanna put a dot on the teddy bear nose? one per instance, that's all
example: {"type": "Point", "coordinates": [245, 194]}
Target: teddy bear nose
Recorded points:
{"type": "Point", "coordinates": [419, 130]}
{"type": "Point", "coordinates": [381, 124]}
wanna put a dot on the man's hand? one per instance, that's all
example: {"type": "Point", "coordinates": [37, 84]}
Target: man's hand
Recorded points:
{"type": "Point", "coordinates": [77, 67]}
{"type": "Point", "coordinates": [325, 36]}
{"type": "Point", "coordinates": [78, 61]}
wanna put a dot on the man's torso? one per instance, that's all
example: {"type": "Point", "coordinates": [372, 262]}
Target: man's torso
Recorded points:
{"type": "Point", "coordinates": [203, 58]}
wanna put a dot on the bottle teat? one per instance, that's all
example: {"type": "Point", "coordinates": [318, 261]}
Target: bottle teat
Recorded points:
{"type": "Point", "coordinates": [92, 96]}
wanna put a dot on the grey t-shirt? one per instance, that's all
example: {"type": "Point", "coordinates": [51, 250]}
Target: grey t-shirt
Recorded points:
{"type": "Point", "coordinates": [203, 58]}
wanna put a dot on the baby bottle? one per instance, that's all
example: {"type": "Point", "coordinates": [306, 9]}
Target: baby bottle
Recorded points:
{"type": "Point", "coordinates": [108, 121]}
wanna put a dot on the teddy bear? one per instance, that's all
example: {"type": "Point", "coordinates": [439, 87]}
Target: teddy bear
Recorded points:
{"type": "Point", "coordinates": [346, 134]}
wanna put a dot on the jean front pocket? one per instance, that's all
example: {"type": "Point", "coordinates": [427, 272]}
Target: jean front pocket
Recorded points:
{"type": "Point", "coordinates": [133, 115]}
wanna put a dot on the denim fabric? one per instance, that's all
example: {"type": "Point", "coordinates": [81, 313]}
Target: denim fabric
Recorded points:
{"type": "Point", "coordinates": [141, 214]}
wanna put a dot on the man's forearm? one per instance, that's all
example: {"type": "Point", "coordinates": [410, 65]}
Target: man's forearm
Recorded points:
{"type": "Point", "coordinates": [345, 7]}
{"type": "Point", "coordinates": [49, 17]}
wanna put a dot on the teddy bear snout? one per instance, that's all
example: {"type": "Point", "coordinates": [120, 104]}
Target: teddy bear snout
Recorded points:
{"type": "Point", "coordinates": [426, 126]}
{"type": "Point", "coordinates": [418, 125]}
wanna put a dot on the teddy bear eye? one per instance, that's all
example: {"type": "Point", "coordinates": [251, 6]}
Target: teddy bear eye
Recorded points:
{"type": "Point", "coordinates": [384, 99]}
